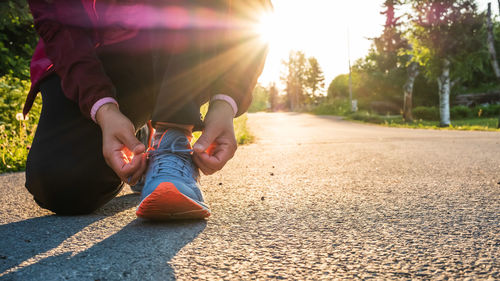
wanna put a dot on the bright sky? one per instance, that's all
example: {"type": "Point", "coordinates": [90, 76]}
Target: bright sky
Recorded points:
{"type": "Point", "coordinates": [320, 28]}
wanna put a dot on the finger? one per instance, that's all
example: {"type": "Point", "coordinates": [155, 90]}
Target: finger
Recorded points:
{"type": "Point", "coordinates": [206, 139]}
{"type": "Point", "coordinates": [127, 155]}
{"type": "Point", "coordinates": [123, 165]}
{"type": "Point", "coordinates": [133, 179]}
{"type": "Point", "coordinates": [211, 148]}
{"type": "Point", "coordinates": [132, 143]}
{"type": "Point", "coordinates": [210, 162]}
{"type": "Point", "coordinates": [221, 155]}
{"type": "Point", "coordinates": [137, 162]}
{"type": "Point", "coordinates": [118, 163]}
{"type": "Point", "coordinates": [203, 167]}
{"type": "Point", "coordinates": [200, 164]}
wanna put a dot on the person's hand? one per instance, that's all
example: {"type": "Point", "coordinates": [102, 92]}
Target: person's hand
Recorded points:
{"type": "Point", "coordinates": [123, 152]}
{"type": "Point", "coordinates": [217, 143]}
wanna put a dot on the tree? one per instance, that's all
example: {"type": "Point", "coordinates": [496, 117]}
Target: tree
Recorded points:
{"type": "Point", "coordinates": [446, 40]}
{"type": "Point", "coordinates": [17, 38]}
{"type": "Point", "coordinates": [391, 40]}
{"type": "Point", "coordinates": [273, 97]}
{"type": "Point", "coordinates": [295, 69]}
{"type": "Point", "coordinates": [390, 45]}
{"type": "Point", "coordinates": [314, 78]}
{"type": "Point", "coordinates": [491, 43]}
{"type": "Point", "coordinates": [304, 79]}
{"type": "Point", "coordinates": [339, 88]}
{"type": "Point", "coordinates": [260, 101]}
{"type": "Point", "coordinates": [413, 71]}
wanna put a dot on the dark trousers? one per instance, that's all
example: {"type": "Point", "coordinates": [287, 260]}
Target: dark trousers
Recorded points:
{"type": "Point", "coordinates": [66, 171]}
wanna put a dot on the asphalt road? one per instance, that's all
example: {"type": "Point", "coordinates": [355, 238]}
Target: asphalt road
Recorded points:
{"type": "Point", "coordinates": [313, 198]}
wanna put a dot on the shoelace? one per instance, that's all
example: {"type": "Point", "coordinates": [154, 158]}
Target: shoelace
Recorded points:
{"type": "Point", "coordinates": [173, 161]}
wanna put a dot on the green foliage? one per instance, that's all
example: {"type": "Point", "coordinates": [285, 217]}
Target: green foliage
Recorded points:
{"type": "Point", "coordinates": [426, 113]}
{"type": "Point", "coordinates": [425, 92]}
{"type": "Point", "coordinates": [17, 38]}
{"type": "Point", "coordinates": [437, 29]}
{"type": "Point", "coordinates": [468, 124]}
{"type": "Point", "coordinates": [460, 112]}
{"type": "Point", "coordinates": [333, 107]}
{"type": "Point", "coordinates": [304, 80]}
{"type": "Point", "coordinates": [241, 131]}
{"type": "Point", "coordinates": [366, 116]}
{"type": "Point", "coordinates": [487, 111]}
{"type": "Point", "coordinates": [260, 100]}
{"type": "Point", "coordinates": [16, 134]}
{"type": "Point", "coordinates": [381, 74]}
{"type": "Point", "coordinates": [451, 29]}
{"type": "Point", "coordinates": [473, 124]}
{"type": "Point", "coordinates": [13, 93]}
{"type": "Point", "coordinates": [339, 87]}
{"type": "Point", "coordinates": [314, 78]}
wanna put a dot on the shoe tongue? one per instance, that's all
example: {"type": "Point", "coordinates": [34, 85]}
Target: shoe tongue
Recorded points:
{"type": "Point", "coordinates": [172, 138]}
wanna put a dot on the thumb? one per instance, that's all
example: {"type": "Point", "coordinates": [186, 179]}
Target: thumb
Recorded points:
{"type": "Point", "coordinates": [205, 140]}
{"type": "Point", "coordinates": [132, 143]}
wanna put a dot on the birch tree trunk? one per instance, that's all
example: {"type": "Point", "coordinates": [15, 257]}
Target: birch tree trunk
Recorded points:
{"type": "Point", "coordinates": [491, 44]}
{"type": "Point", "coordinates": [444, 94]}
{"type": "Point", "coordinates": [408, 92]}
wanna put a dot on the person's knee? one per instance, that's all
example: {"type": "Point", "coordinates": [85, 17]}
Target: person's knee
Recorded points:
{"type": "Point", "coordinates": [66, 194]}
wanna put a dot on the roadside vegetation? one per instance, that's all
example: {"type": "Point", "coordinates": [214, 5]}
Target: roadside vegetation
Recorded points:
{"type": "Point", "coordinates": [479, 118]}
{"type": "Point", "coordinates": [16, 132]}
{"type": "Point", "coordinates": [241, 131]}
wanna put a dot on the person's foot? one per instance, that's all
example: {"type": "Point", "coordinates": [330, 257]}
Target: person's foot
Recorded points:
{"type": "Point", "coordinates": [171, 189]}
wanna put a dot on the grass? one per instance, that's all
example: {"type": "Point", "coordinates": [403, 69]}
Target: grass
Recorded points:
{"type": "Point", "coordinates": [14, 147]}
{"type": "Point", "coordinates": [472, 124]}
{"type": "Point", "coordinates": [241, 131]}
{"type": "Point", "coordinates": [16, 134]}
{"type": "Point", "coordinates": [243, 135]}
{"type": "Point", "coordinates": [485, 119]}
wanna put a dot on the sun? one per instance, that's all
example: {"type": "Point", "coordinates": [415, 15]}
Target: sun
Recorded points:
{"type": "Point", "coordinates": [267, 27]}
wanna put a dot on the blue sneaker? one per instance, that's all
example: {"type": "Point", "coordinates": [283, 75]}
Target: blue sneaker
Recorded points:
{"type": "Point", "coordinates": [171, 188]}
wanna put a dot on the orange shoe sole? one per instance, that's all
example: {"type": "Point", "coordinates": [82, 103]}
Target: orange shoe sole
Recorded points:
{"type": "Point", "coordinates": [168, 203]}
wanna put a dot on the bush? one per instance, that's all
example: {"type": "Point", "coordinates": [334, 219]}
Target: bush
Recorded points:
{"type": "Point", "coordinates": [385, 108]}
{"type": "Point", "coordinates": [461, 112]}
{"type": "Point", "coordinates": [17, 38]}
{"type": "Point", "coordinates": [426, 113]}
{"type": "Point", "coordinates": [367, 117]}
{"type": "Point", "coordinates": [260, 101]}
{"type": "Point", "coordinates": [490, 111]}
{"type": "Point", "coordinates": [335, 107]}
{"type": "Point", "coordinates": [16, 134]}
{"type": "Point", "coordinates": [13, 93]}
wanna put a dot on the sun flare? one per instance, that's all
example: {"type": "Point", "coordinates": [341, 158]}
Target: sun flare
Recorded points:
{"type": "Point", "coordinates": [267, 28]}
{"type": "Point", "coordinates": [318, 28]}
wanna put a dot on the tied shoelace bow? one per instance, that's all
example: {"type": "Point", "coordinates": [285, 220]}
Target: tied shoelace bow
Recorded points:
{"type": "Point", "coordinates": [180, 160]}
{"type": "Point", "coordinates": [173, 160]}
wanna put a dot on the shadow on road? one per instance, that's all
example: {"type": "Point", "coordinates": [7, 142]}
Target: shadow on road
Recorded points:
{"type": "Point", "coordinates": [106, 245]}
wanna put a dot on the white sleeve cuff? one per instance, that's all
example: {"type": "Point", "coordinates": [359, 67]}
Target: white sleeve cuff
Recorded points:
{"type": "Point", "coordinates": [227, 99]}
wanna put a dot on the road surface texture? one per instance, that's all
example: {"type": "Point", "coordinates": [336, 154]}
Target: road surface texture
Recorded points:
{"type": "Point", "coordinates": [313, 198]}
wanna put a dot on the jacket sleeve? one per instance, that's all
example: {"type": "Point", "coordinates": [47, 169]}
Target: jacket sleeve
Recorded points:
{"type": "Point", "coordinates": [243, 53]}
{"type": "Point", "coordinates": [67, 33]}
